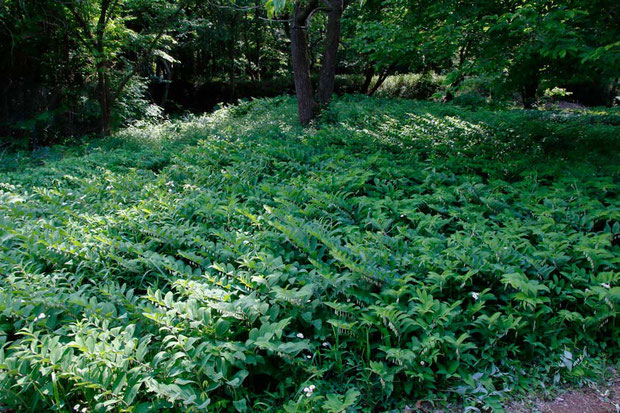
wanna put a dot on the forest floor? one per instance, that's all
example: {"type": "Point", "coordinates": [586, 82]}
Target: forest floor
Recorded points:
{"type": "Point", "coordinates": [595, 399]}
{"type": "Point", "coordinates": [394, 251]}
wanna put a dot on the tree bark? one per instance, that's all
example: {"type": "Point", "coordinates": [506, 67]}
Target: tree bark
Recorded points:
{"type": "Point", "coordinates": [463, 52]}
{"type": "Point", "coordinates": [103, 83]}
{"type": "Point", "coordinates": [231, 56]}
{"type": "Point", "coordinates": [449, 96]}
{"type": "Point", "coordinates": [103, 78]}
{"type": "Point", "coordinates": [4, 116]}
{"type": "Point", "coordinates": [528, 94]}
{"type": "Point", "coordinates": [330, 54]}
{"type": "Point", "coordinates": [306, 105]}
{"type": "Point", "coordinates": [258, 41]}
{"type": "Point", "coordinates": [384, 75]}
{"type": "Point", "coordinates": [166, 74]}
{"type": "Point", "coordinates": [368, 75]}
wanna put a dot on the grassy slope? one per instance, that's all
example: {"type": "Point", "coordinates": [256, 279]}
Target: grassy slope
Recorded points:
{"type": "Point", "coordinates": [398, 251]}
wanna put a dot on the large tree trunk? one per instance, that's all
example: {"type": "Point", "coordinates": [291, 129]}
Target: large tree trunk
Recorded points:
{"type": "Point", "coordinates": [330, 54]}
{"type": "Point", "coordinates": [306, 105]}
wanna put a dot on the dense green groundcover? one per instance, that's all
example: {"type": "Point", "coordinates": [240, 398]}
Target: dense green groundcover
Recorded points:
{"type": "Point", "coordinates": [396, 251]}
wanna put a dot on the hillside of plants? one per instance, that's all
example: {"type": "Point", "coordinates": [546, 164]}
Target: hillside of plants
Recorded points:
{"type": "Point", "coordinates": [393, 255]}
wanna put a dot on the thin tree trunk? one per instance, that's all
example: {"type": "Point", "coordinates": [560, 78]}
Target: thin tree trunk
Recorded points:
{"type": "Point", "coordinates": [613, 92]}
{"type": "Point", "coordinates": [5, 101]}
{"type": "Point", "coordinates": [330, 54]}
{"type": "Point", "coordinates": [377, 85]}
{"type": "Point", "coordinates": [231, 56]}
{"type": "Point", "coordinates": [381, 79]}
{"type": "Point", "coordinates": [528, 94]}
{"type": "Point", "coordinates": [167, 76]}
{"type": "Point", "coordinates": [306, 105]}
{"type": "Point", "coordinates": [463, 52]}
{"type": "Point", "coordinates": [368, 75]}
{"type": "Point", "coordinates": [104, 100]}
{"type": "Point", "coordinates": [449, 96]}
{"type": "Point", "coordinates": [102, 70]}
{"type": "Point", "coordinates": [258, 41]}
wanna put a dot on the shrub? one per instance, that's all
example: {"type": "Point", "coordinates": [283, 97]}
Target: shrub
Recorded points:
{"type": "Point", "coordinates": [411, 86]}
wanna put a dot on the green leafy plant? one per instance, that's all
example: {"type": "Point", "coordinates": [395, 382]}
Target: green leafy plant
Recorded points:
{"type": "Point", "coordinates": [399, 252]}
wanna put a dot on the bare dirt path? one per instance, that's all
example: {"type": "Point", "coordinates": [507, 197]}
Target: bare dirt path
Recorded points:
{"type": "Point", "coordinates": [602, 399]}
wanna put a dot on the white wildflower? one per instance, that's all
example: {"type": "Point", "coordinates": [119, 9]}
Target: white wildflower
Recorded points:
{"type": "Point", "coordinates": [475, 296]}
{"type": "Point", "coordinates": [606, 285]}
{"type": "Point", "coordinates": [299, 335]}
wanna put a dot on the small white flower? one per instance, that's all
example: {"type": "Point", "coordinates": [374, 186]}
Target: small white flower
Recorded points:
{"type": "Point", "coordinates": [308, 356]}
{"type": "Point", "coordinates": [475, 296]}
{"type": "Point", "coordinates": [422, 363]}
{"type": "Point", "coordinates": [308, 394]}
{"type": "Point", "coordinates": [40, 317]}
{"type": "Point", "coordinates": [307, 389]}
{"type": "Point", "coordinates": [76, 407]}
{"type": "Point", "coordinates": [108, 187]}
{"type": "Point", "coordinates": [606, 285]}
{"type": "Point", "coordinates": [312, 387]}
{"type": "Point", "coordinates": [299, 335]}
{"type": "Point", "coordinates": [325, 344]}
{"type": "Point", "coordinates": [84, 410]}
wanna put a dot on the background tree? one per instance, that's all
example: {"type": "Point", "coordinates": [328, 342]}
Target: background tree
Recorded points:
{"type": "Point", "coordinates": [116, 45]}
{"type": "Point", "coordinates": [300, 13]}
{"type": "Point", "coordinates": [73, 67]}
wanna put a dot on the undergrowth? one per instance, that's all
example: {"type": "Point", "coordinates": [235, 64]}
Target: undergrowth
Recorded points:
{"type": "Point", "coordinates": [394, 252]}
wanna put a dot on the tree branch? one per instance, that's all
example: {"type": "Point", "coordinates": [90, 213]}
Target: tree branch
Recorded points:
{"type": "Point", "coordinates": [149, 50]}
